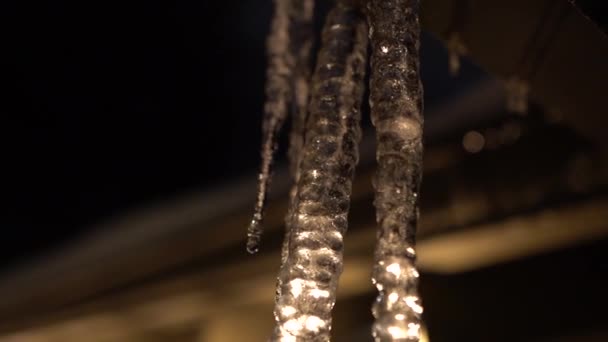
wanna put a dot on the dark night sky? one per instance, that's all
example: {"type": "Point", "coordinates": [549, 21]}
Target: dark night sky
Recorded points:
{"type": "Point", "coordinates": [110, 106]}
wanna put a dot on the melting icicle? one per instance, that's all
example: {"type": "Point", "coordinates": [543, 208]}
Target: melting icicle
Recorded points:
{"type": "Point", "coordinates": [278, 93]}
{"type": "Point", "coordinates": [396, 108]}
{"type": "Point", "coordinates": [314, 259]}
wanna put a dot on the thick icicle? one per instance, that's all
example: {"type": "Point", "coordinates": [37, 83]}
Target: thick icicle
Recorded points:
{"type": "Point", "coordinates": [278, 98]}
{"type": "Point", "coordinates": [396, 108]}
{"type": "Point", "coordinates": [314, 260]}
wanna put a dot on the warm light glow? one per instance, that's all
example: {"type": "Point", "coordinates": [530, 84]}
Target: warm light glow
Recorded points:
{"type": "Point", "coordinates": [291, 338]}
{"type": "Point", "coordinates": [393, 297]}
{"type": "Point", "coordinates": [397, 332]}
{"type": "Point", "coordinates": [304, 251]}
{"type": "Point", "coordinates": [412, 302]}
{"type": "Point", "coordinates": [407, 128]}
{"type": "Point", "coordinates": [394, 268]}
{"type": "Point", "coordinates": [413, 330]}
{"type": "Point", "coordinates": [293, 326]}
{"type": "Point", "coordinates": [288, 311]}
{"type": "Point", "coordinates": [325, 250]}
{"type": "Point", "coordinates": [296, 287]}
{"type": "Point", "coordinates": [313, 323]}
{"type": "Point", "coordinates": [424, 336]}
{"type": "Point", "coordinates": [319, 293]}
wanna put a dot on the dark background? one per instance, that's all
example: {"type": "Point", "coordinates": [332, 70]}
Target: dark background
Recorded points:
{"type": "Point", "coordinates": [107, 107]}
{"type": "Point", "coordinates": [111, 106]}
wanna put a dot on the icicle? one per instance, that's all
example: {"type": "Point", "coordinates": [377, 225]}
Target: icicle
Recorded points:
{"type": "Point", "coordinates": [301, 43]}
{"type": "Point", "coordinates": [278, 93]}
{"type": "Point", "coordinates": [314, 260]}
{"type": "Point", "coordinates": [301, 32]}
{"type": "Point", "coordinates": [396, 105]}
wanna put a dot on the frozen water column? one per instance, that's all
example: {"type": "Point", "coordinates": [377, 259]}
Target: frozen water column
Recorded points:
{"type": "Point", "coordinates": [309, 276]}
{"type": "Point", "coordinates": [396, 109]}
{"type": "Point", "coordinates": [288, 50]}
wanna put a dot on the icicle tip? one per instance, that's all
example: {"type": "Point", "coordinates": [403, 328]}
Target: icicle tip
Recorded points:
{"type": "Point", "coordinates": [254, 235]}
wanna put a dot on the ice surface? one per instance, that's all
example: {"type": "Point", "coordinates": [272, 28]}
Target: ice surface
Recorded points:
{"type": "Point", "coordinates": [302, 31]}
{"type": "Point", "coordinates": [309, 276]}
{"type": "Point", "coordinates": [396, 109]}
{"type": "Point", "coordinates": [288, 48]}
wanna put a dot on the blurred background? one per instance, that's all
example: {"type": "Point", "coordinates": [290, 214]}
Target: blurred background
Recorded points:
{"type": "Point", "coordinates": [130, 136]}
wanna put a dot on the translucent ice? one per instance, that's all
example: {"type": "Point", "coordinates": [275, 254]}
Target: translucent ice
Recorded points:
{"type": "Point", "coordinates": [309, 276]}
{"type": "Point", "coordinates": [302, 32]}
{"type": "Point", "coordinates": [396, 108]}
{"type": "Point", "coordinates": [288, 48]}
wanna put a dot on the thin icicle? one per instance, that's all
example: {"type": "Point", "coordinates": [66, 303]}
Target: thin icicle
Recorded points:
{"type": "Point", "coordinates": [314, 260]}
{"type": "Point", "coordinates": [396, 104]}
{"type": "Point", "coordinates": [301, 32]}
{"type": "Point", "coordinates": [278, 94]}
{"type": "Point", "coordinates": [301, 43]}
